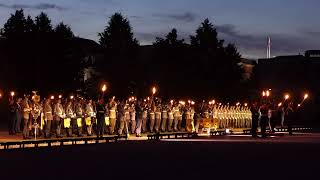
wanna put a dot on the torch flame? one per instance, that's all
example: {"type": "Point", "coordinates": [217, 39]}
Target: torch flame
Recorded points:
{"type": "Point", "coordinates": [306, 96]}
{"type": "Point", "coordinates": [104, 88]}
{"type": "Point", "coordinates": [12, 93]}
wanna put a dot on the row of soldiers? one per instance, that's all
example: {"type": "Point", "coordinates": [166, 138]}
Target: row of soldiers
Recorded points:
{"type": "Point", "coordinates": [78, 116]}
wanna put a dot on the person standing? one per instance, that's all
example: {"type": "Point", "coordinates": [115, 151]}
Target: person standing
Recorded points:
{"type": "Point", "coordinates": [48, 117]}
{"type": "Point", "coordinates": [158, 117]}
{"type": "Point", "coordinates": [59, 115]}
{"type": "Point", "coordinates": [18, 115]}
{"type": "Point", "coordinates": [144, 117]}
{"type": "Point", "coordinates": [289, 116]}
{"type": "Point", "coordinates": [164, 116]}
{"type": "Point", "coordinates": [113, 115]}
{"type": "Point", "coordinates": [152, 117]}
{"type": "Point", "coordinates": [133, 118]}
{"type": "Point", "coordinates": [139, 111]}
{"type": "Point", "coordinates": [255, 119]}
{"type": "Point", "coordinates": [12, 117]}
{"type": "Point", "coordinates": [70, 118]}
{"type": "Point", "coordinates": [171, 117]}
{"type": "Point", "coordinates": [101, 112]}
{"type": "Point", "coordinates": [188, 119]}
{"type": "Point", "coordinates": [26, 116]}
{"type": "Point", "coordinates": [121, 116]}
{"type": "Point", "coordinates": [90, 117]}
{"type": "Point", "coordinates": [264, 119]}
{"type": "Point", "coordinates": [80, 115]}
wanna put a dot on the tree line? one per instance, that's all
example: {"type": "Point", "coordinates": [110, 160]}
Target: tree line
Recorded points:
{"type": "Point", "coordinates": [39, 54]}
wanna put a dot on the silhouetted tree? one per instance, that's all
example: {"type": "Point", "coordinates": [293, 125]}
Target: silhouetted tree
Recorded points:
{"type": "Point", "coordinates": [43, 23]}
{"type": "Point", "coordinates": [15, 25]}
{"type": "Point", "coordinates": [30, 26]}
{"type": "Point", "coordinates": [171, 40]}
{"type": "Point", "coordinates": [64, 31]}
{"type": "Point", "coordinates": [118, 33]}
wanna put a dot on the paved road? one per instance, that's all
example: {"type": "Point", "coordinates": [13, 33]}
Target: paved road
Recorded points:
{"type": "Point", "coordinates": [241, 157]}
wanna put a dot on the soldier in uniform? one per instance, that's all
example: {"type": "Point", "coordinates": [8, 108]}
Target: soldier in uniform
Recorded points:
{"type": "Point", "coordinates": [121, 116]}
{"type": "Point", "coordinates": [133, 118]}
{"type": "Point", "coordinates": [70, 117]}
{"type": "Point", "coordinates": [59, 115]}
{"type": "Point", "coordinates": [101, 111]}
{"type": "Point", "coordinates": [255, 119]}
{"type": "Point", "coordinates": [144, 117]}
{"type": "Point", "coordinates": [90, 117]}
{"type": "Point", "coordinates": [48, 117]}
{"type": "Point", "coordinates": [139, 111]}
{"type": "Point", "coordinates": [171, 117]}
{"type": "Point", "coordinates": [26, 107]}
{"type": "Point", "coordinates": [113, 115]}
{"type": "Point", "coordinates": [264, 119]}
{"type": "Point", "coordinates": [152, 117]}
{"type": "Point", "coordinates": [18, 115]}
{"type": "Point", "coordinates": [164, 116]}
{"type": "Point", "coordinates": [80, 115]}
{"type": "Point", "coordinates": [176, 116]}
{"type": "Point", "coordinates": [188, 119]}
{"type": "Point", "coordinates": [158, 117]}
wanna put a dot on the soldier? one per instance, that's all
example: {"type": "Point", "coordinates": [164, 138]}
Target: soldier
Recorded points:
{"type": "Point", "coordinates": [90, 117]}
{"type": "Point", "coordinates": [164, 116]}
{"type": "Point", "coordinates": [139, 111]}
{"type": "Point", "coordinates": [158, 117]}
{"type": "Point", "coordinates": [133, 118]}
{"type": "Point", "coordinates": [101, 111]}
{"type": "Point", "coordinates": [26, 116]}
{"type": "Point", "coordinates": [18, 115]}
{"type": "Point", "coordinates": [152, 111]}
{"type": "Point", "coordinates": [59, 115]}
{"type": "Point", "coordinates": [171, 117]}
{"type": "Point", "coordinates": [263, 119]}
{"type": "Point", "coordinates": [176, 116]}
{"type": "Point", "coordinates": [70, 117]}
{"type": "Point", "coordinates": [48, 117]}
{"type": "Point", "coordinates": [144, 117]}
{"type": "Point", "coordinates": [188, 119]}
{"type": "Point", "coordinates": [80, 115]}
{"type": "Point", "coordinates": [255, 119]}
{"type": "Point", "coordinates": [113, 115]}
{"type": "Point", "coordinates": [121, 115]}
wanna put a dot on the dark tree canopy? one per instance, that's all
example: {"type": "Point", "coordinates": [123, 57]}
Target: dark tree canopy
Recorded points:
{"type": "Point", "coordinates": [118, 33]}
{"type": "Point", "coordinates": [64, 31]}
{"type": "Point", "coordinates": [171, 40]}
{"type": "Point", "coordinates": [15, 25]}
{"type": "Point", "coordinates": [43, 23]}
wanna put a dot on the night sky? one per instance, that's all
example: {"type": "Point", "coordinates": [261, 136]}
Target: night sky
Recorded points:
{"type": "Point", "coordinates": [293, 25]}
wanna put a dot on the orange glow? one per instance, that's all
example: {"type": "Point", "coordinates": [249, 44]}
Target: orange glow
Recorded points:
{"type": "Point", "coordinates": [71, 97]}
{"type": "Point", "coordinates": [306, 96]}
{"type": "Point", "coordinates": [246, 104]}
{"type": "Point", "coordinates": [52, 97]}
{"type": "Point", "coordinates": [104, 88]}
{"type": "Point", "coordinates": [60, 96]}
{"type": "Point", "coordinates": [287, 96]}
{"type": "Point", "coordinates": [12, 93]}
{"type": "Point", "coordinates": [154, 90]}
{"type": "Point", "coordinates": [280, 104]}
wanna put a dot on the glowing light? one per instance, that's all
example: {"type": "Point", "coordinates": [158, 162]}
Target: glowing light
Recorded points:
{"type": "Point", "coordinates": [145, 100]}
{"type": "Point", "coordinates": [238, 104]}
{"type": "Point", "coordinates": [113, 97]}
{"type": "Point", "coordinates": [213, 101]}
{"type": "Point", "coordinates": [306, 96]}
{"type": "Point", "coordinates": [12, 93]}
{"type": "Point", "coordinates": [228, 131]}
{"type": "Point", "coordinates": [60, 96]}
{"type": "Point", "coordinates": [193, 103]}
{"type": "Point", "coordinates": [71, 97]}
{"type": "Point", "coordinates": [299, 105]}
{"type": "Point", "coordinates": [263, 93]}
{"type": "Point", "coordinates": [148, 99]}
{"type": "Point", "coordinates": [268, 93]}
{"type": "Point", "coordinates": [280, 104]}
{"type": "Point", "coordinates": [0, 95]}
{"type": "Point", "coordinates": [171, 101]}
{"type": "Point", "coordinates": [104, 88]}
{"type": "Point", "coordinates": [52, 97]}
{"type": "Point", "coordinates": [210, 103]}
{"type": "Point", "coordinates": [245, 104]}
{"type": "Point", "coordinates": [154, 90]}
{"type": "Point", "coordinates": [287, 96]}
{"type": "Point", "coordinates": [182, 102]}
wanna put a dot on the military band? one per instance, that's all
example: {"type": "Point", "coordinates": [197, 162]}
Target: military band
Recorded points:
{"type": "Point", "coordinates": [72, 117]}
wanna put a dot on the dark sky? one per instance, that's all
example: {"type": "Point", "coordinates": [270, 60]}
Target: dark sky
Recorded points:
{"type": "Point", "coordinates": [293, 25]}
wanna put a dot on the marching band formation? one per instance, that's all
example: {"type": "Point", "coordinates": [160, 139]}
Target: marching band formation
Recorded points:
{"type": "Point", "coordinates": [77, 116]}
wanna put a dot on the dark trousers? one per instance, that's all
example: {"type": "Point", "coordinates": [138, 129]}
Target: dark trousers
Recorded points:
{"type": "Point", "coordinates": [254, 126]}
{"type": "Point", "coordinates": [25, 131]}
{"type": "Point", "coordinates": [48, 128]}
{"type": "Point", "coordinates": [57, 124]}
{"type": "Point", "coordinates": [263, 124]}
{"type": "Point", "coordinates": [100, 126]}
{"type": "Point", "coordinates": [12, 123]}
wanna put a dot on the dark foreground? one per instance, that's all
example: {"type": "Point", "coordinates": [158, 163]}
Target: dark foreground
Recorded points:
{"type": "Point", "coordinates": [240, 159]}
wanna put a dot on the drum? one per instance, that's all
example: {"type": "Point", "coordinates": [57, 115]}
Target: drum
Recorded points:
{"type": "Point", "coordinates": [67, 123]}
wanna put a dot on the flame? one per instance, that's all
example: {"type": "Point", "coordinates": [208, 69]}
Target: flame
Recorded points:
{"type": "Point", "coordinates": [104, 88]}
